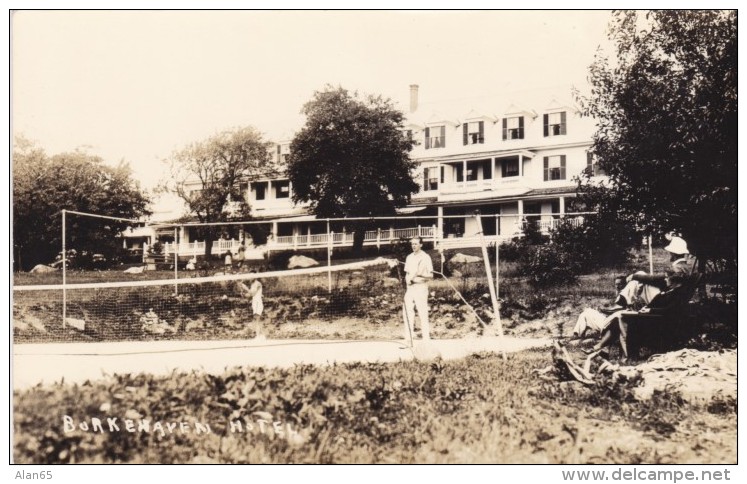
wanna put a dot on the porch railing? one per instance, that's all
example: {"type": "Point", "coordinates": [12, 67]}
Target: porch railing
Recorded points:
{"type": "Point", "coordinates": [343, 239]}
{"type": "Point", "coordinates": [338, 239]}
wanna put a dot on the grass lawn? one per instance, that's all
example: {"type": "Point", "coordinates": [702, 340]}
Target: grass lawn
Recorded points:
{"type": "Point", "coordinates": [477, 410]}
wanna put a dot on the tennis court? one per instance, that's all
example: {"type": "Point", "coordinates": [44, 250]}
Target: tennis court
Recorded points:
{"type": "Point", "coordinates": [77, 362]}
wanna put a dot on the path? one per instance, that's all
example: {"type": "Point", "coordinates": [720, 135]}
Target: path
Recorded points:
{"type": "Point", "coordinates": [78, 362]}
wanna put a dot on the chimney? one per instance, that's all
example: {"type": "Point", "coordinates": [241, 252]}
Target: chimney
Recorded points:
{"type": "Point", "coordinates": [413, 98]}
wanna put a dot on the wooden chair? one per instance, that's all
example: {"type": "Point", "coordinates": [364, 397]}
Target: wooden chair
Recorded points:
{"type": "Point", "coordinates": [660, 328]}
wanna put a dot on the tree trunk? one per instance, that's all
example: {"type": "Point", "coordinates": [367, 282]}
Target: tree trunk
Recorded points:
{"type": "Point", "coordinates": [209, 236]}
{"type": "Point", "coordinates": [359, 236]}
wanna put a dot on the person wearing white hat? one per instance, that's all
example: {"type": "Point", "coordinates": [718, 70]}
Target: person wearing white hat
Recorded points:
{"type": "Point", "coordinates": [638, 289]}
{"type": "Point", "coordinates": [677, 245]}
{"type": "Point", "coordinates": [641, 288]}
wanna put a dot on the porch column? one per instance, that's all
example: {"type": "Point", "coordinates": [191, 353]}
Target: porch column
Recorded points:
{"type": "Point", "coordinates": [520, 207]}
{"type": "Point", "coordinates": [274, 231]}
{"type": "Point", "coordinates": [561, 205]}
{"type": "Point", "coordinates": [308, 236]}
{"type": "Point", "coordinates": [440, 222]}
{"type": "Point", "coordinates": [521, 165]}
{"type": "Point", "coordinates": [494, 181]}
{"type": "Point", "coordinates": [464, 173]}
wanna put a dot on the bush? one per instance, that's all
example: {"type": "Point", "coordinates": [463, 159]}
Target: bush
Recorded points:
{"type": "Point", "coordinates": [601, 241]}
{"type": "Point", "coordinates": [548, 265]}
{"type": "Point", "coordinates": [511, 251]}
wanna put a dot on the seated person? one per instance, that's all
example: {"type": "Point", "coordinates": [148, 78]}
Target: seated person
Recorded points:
{"type": "Point", "coordinates": [640, 288]}
{"type": "Point", "coordinates": [610, 325]}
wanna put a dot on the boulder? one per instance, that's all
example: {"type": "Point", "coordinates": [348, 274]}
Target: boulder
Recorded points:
{"type": "Point", "coordinates": [301, 261]}
{"type": "Point", "coordinates": [135, 270]}
{"type": "Point", "coordinates": [42, 268]}
{"type": "Point", "coordinates": [464, 259]}
{"type": "Point", "coordinates": [78, 324]}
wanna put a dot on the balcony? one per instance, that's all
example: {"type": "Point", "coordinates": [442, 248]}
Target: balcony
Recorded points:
{"type": "Point", "coordinates": [466, 186]}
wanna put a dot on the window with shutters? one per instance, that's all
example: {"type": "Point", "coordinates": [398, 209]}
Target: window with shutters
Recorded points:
{"type": "Point", "coordinates": [592, 167]}
{"type": "Point", "coordinates": [510, 168]}
{"type": "Point", "coordinates": [473, 133]}
{"type": "Point", "coordinates": [430, 178]}
{"type": "Point", "coordinates": [435, 137]}
{"type": "Point", "coordinates": [284, 151]}
{"type": "Point", "coordinates": [554, 167]}
{"type": "Point", "coordinates": [513, 128]}
{"type": "Point", "coordinates": [555, 124]}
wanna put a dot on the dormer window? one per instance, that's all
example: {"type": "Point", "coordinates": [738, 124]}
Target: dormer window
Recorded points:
{"type": "Point", "coordinates": [284, 153]}
{"type": "Point", "coordinates": [554, 124]}
{"type": "Point", "coordinates": [435, 137]}
{"type": "Point", "coordinates": [513, 128]}
{"type": "Point", "coordinates": [473, 133]}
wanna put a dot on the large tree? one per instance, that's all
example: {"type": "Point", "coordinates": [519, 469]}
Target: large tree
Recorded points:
{"type": "Point", "coordinates": [666, 106]}
{"type": "Point", "coordinates": [351, 159]}
{"type": "Point", "coordinates": [43, 186]}
{"type": "Point", "coordinates": [207, 176]}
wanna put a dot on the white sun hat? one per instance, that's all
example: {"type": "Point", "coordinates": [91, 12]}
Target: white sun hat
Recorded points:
{"type": "Point", "coordinates": [677, 246]}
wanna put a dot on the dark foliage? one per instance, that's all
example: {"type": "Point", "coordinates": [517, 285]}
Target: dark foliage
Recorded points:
{"type": "Point", "coordinates": [43, 186]}
{"type": "Point", "coordinates": [351, 158]}
{"type": "Point", "coordinates": [666, 108]}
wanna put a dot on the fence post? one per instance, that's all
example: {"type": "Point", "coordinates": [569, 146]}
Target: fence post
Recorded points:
{"type": "Point", "coordinates": [64, 270]}
{"type": "Point", "coordinates": [176, 261]}
{"type": "Point", "coordinates": [650, 256]}
{"type": "Point", "coordinates": [330, 241]}
{"type": "Point", "coordinates": [493, 297]}
{"type": "Point", "coordinates": [497, 258]}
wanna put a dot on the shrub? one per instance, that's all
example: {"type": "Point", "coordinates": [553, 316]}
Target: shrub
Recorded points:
{"type": "Point", "coordinates": [548, 265]}
{"type": "Point", "coordinates": [600, 241]}
{"type": "Point", "coordinates": [518, 248]}
{"type": "Point", "coordinates": [511, 251]}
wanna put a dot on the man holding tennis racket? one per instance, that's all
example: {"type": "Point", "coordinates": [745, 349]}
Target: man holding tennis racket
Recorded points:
{"type": "Point", "coordinates": [418, 271]}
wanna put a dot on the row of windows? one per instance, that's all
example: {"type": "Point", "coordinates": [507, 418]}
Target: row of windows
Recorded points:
{"type": "Point", "coordinates": [553, 168]}
{"type": "Point", "coordinates": [554, 124]}
{"type": "Point", "coordinates": [280, 188]}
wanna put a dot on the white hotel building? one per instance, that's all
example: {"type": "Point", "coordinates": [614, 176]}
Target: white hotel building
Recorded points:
{"type": "Point", "coordinates": [515, 156]}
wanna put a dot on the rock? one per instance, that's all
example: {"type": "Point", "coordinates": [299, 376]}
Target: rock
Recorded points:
{"type": "Point", "coordinates": [42, 268]}
{"type": "Point", "coordinates": [135, 270]}
{"type": "Point", "coordinates": [464, 259]}
{"type": "Point", "coordinates": [301, 261]}
{"type": "Point", "coordinates": [78, 324]}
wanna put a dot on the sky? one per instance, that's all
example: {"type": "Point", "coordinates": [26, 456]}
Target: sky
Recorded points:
{"type": "Point", "coordinates": [137, 85]}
